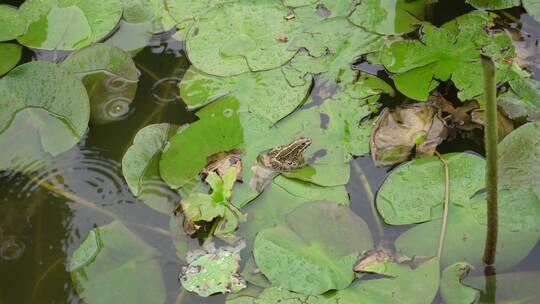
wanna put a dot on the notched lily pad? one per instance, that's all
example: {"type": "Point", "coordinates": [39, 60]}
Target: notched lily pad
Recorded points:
{"type": "Point", "coordinates": [400, 130]}
{"type": "Point", "coordinates": [212, 271]}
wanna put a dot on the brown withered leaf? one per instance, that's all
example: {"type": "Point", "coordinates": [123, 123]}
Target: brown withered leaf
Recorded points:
{"type": "Point", "coordinates": [459, 117]}
{"type": "Point", "coordinates": [222, 161]}
{"type": "Point", "coordinates": [282, 38]}
{"type": "Point", "coordinates": [504, 124]}
{"type": "Point", "coordinates": [289, 16]}
{"type": "Point", "coordinates": [378, 256]}
{"type": "Point", "coordinates": [398, 131]}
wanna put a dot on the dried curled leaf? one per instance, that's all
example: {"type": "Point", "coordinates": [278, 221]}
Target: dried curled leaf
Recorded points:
{"type": "Point", "coordinates": [222, 161]}
{"type": "Point", "coordinates": [398, 131]}
{"type": "Point", "coordinates": [212, 270]}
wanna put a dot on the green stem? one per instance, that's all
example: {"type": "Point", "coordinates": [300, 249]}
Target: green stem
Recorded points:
{"type": "Point", "coordinates": [444, 225]}
{"type": "Point", "coordinates": [490, 142]}
{"type": "Point", "coordinates": [371, 198]}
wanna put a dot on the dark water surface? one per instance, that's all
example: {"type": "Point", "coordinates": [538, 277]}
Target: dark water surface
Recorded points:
{"type": "Point", "coordinates": [40, 229]}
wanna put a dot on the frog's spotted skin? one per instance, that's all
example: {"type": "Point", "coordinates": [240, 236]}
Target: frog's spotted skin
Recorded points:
{"type": "Point", "coordinates": [213, 271]}
{"type": "Point", "coordinates": [287, 157]}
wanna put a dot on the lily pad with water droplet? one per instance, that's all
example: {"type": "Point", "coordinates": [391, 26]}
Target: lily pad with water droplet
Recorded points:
{"type": "Point", "coordinates": [267, 93]}
{"type": "Point", "coordinates": [10, 54]}
{"type": "Point", "coordinates": [314, 250]}
{"type": "Point", "coordinates": [111, 255]}
{"type": "Point", "coordinates": [44, 111]}
{"type": "Point", "coordinates": [68, 24]}
{"type": "Point", "coordinates": [13, 22]}
{"type": "Point", "coordinates": [110, 77]}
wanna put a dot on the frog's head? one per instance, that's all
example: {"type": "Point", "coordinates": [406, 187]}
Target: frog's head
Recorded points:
{"type": "Point", "coordinates": [303, 143]}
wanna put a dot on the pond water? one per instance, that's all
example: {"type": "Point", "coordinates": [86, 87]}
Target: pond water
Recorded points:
{"type": "Point", "coordinates": [41, 227]}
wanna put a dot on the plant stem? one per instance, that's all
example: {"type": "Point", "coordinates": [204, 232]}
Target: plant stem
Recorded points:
{"type": "Point", "coordinates": [490, 142]}
{"type": "Point", "coordinates": [371, 198]}
{"type": "Point", "coordinates": [444, 224]}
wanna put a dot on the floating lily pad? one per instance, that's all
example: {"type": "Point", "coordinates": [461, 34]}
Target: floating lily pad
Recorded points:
{"type": "Point", "coordinates": [267, 93]}
{"type": "Point", "coordinates": [110, 77]}
{"type": "Point", "coordinates": [533, 8]}
{"type": "Point", "coordinates": [13, 23]}
{"type": "Point", "coordinates": [400, 130]}
{"type": "Point", "coordinates": [519, 163]}
{"type": "Point", "coordinates": [68, 24]}
{"type": "Point", "coordinates": [131, 37]}
{"type": "Point", "coordinates": [234, 39]}
{"type": "Point", "coordinates": [140, 167]}
{"type": "Point", "coordinates": [494, 4]}
{"type": "Point", "coordinates": [519, 230]}
{"type": "Point", "coordinates": [44, 111]}
{"type": "Point", "coordinates": [401, 286]}
{"type": "Point", "coordinates": [451, 52]}
{"type": "Point", "coordinates": [452, 290]}
{"type": "Point", "coordinates": [10, 54]}
{"type": "Point", "coordinates": [314, 250]}
{"type": "Point", "coordinates": [522, 100]}
{"type": "Point", "coordinates": [389, 16]}
{"type": "Point", "coordinates": [414, 191]}
{"type": "Point", "coordinates": [111, 255]}
{"type": "Point", "coordinates": [213, 271]}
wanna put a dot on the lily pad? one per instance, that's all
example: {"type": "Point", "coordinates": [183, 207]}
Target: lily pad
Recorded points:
{"type": "Point", "coordinates": [13, 23]}
{"type": "Point", "coordinates": [131, 37]}
{"type": "Point", "coordinates": [451, 52]}
{"type": "Point", "coordinates": [389, 16]}
{"type": "Point", "coordinates": [44, 110]}
{"type": "Point", "coordinates": [110, 77]}
{"type": "Point", "coordinates": [519, 164]}
{"type": "Point", "coordinates": [522, 100]}
{"type": "Point", "coordinates": [111, 255]}
{"type": "Point", "coordinates": [533, 8]}
{"type": "Point", "coordinates": [68, 24]}
{"type": "Point", "coordinates": [513, 287]}
{"type": "Point", "coordinates": [233, 39]}
{"type": "Point", "coordinates": [267, 93]}
{"type": "Point", "coordinates": [10, 54]}
{"type": "Point", "coordinates": [452, 290]}
{"type": "Point", "coordinates": [213, 271]}
{"type": "Point", "coordinates": [309, 253]}
{"type": "Point", "coordinates": [414, 191]}
{"type": "Point", "coordinates": [519, 227]}
{"type": "Point", "coordinates": [494, 4]}
{"type": "Point", "coordinates": [140, 167]}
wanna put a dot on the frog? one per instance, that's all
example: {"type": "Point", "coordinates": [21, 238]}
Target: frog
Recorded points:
{"type": "Point", "coordinates": [286, 158]}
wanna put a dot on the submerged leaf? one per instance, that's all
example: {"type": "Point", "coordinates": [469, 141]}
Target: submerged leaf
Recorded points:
{"type": "Point", "coordinates": [314, 250]}
{"type": "Point", "coordinates": [451, 52]}
{"type": "Point", "coordinates": [211, 271]}
{"type": "Point", "coordinates": [398, 131]}
{"type": "Point", "coordinates": [110, 77]}
{"type": "Point", "coordinates": [44, 111]}
{"type": "Point", "coordinates": [111, 255]}
{"type": "Point", "coordinates": [513, 287]}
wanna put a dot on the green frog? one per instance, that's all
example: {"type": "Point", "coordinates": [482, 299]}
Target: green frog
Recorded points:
{"type": "Point", "coordinates": [287, 157]}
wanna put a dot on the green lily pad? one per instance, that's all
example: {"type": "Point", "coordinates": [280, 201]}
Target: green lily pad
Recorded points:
{"type": "Point", "coordinates": [44, 111]}
{"type": "Point", "coordinates": [234, 38]}
{"type": "Point", "coordinates": [451, 52]}
{"type": "Point", "coordinates": [519, 164]}
{"type": "Point", "coordinates": [68, 24]}
{"type": "Point", "coordinates": [111, 255]}
{"type": "Point", "coordinates": [519, 227]}
{"type": "Point", "coordinates": [533, 8]}
{"type": "Point", "coordinates": [414, 191]}
{"type": "Point", "coordinates": [401, 286]}
{"type": "Point", "coordinates": [140, 167]}
{"type": "Point", "coordinates": [13, 23]}
{"type": "Point", "coordinates": [110, 77]}
{"type": "Point", "coordinates": [218, 130]}
{"type": "Point", "coordinates": [267, 93]}
{"type": "Point", "coordinates": [452, 290]}
{"type": "Point", "coordinates": [522, 100]}
{"type": "Point", "coordinates": [11, 55]}
{"type": "Point", "coordinates": [389, 16]}
{"type": "Point", "coordinates": [213, 271]}
{"type": "Point", "coordinates": [271, 207]}
{"type": "Point", "coordinates": [131, 37]}
{"type": "Point", "coordinates": [494, 4]}
{"type": "Point", "coordinates": [309, 253]}
{"type": "Point", "coordinates": [513, 287]}
{"type": "Point", "coordinates": [143, 11]}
